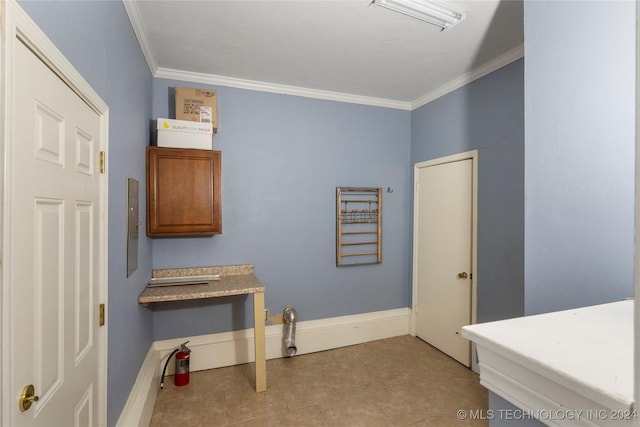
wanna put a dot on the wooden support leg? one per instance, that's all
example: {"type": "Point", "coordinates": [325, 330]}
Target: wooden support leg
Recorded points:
{"type": "Point", "coordinates": [259, 341]}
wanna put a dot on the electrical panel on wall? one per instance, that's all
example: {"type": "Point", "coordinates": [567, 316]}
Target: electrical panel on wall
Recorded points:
{"type": "Point", "coordinates": [358, 226]}
{"type": "Point", "coordinates": [133, 225]}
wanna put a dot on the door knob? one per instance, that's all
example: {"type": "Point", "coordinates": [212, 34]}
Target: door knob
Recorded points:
{"type": "Point", "coordinates": [463, 275]}
{"type": "Point", "coordinates": [27, 397]}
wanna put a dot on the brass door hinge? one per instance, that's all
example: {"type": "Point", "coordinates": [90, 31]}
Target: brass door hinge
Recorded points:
{"type": "Point", "coordinates": [102, 162]}
{"type": "Point", "coordinates": [101, 315]}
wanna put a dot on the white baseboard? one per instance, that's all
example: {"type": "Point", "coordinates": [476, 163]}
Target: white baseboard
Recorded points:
{"type": "Point", "coordinates": [234, 348]}
{"type": "Point", "coordinates": [139, 407]}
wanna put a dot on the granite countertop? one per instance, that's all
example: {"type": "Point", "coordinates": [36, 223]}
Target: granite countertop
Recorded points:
{"type": "Point", "coordinates": [234, 280]}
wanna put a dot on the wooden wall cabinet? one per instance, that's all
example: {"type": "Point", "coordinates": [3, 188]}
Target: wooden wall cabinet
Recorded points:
{"type": "Point", "coordinates": [183, 192]}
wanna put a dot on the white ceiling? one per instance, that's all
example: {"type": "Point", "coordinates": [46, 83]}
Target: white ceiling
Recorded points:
{"type": "Point", "coordinates": [334, 49]}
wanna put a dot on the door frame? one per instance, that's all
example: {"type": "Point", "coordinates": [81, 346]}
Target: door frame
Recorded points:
{"type": "Point", "coordinates": [18, 27]}
{"type": "Point", "coordinates": [467, 155]}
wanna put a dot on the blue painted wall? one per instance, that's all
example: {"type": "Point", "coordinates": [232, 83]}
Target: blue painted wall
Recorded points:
{"type": "Point", "coordinates": [282, 159]}
{"type": "Point", "coordinates": [97, 38]}
{"type": "Point", "coordinates": [579, 158]}
{"type": "Point", "coordinates": [579, 153]}
{"type": "Point", "coordinates": [487, 115]}
{"type": "Point", "coordinates": [283, 156]}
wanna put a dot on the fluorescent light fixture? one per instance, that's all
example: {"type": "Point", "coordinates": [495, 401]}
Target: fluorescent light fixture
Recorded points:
{"type": "Point", "coordinates": [433, 12]}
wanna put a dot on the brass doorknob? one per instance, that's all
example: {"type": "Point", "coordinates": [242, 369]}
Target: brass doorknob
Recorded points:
{"type": "Point", "coordinates": [27, 397]}
{"type": "Point", "coordinates": [463, 275]}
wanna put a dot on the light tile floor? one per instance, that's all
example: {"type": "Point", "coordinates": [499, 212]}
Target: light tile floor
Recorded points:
{"type": "Point", "coordinates": [400, 381]}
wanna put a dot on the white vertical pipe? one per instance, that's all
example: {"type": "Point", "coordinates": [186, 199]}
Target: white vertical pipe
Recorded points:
{"type": "Point", "coordinates": [636, 275]}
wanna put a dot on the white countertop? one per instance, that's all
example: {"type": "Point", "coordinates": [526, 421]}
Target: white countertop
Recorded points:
{"type": "Point", "coordinates": [586, 351]}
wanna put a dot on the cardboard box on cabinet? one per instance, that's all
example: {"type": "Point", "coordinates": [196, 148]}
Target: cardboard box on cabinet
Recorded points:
{"type": "Point", "coordinates": [184, 134]}
{"type": "Point", "coordinates": [197, 105]}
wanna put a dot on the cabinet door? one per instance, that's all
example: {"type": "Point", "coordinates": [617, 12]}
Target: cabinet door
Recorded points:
{"type": "Point", "coordinates": [183, 192]}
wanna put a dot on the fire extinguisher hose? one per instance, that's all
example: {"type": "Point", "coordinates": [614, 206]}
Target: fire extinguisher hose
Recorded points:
{"type": "Point", "coordinates": [165, 367]}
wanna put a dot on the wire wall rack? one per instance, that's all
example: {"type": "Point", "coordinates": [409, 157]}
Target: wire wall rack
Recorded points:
{"type": "Point", "coordinates": [358, 226]}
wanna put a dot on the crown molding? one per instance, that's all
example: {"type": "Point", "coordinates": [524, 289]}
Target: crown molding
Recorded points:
{"type": "Point", "coordinates": [135, 18]}
{"type": "Point", "coordinates": [481, 71]}
{"type": "Point", "coordinates": [188, 76]}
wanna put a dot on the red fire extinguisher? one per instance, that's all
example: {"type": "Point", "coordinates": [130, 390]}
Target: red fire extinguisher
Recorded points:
{"type": "Point", "coordinates": [182, 365]}
{"type": "Point", "coordinates": [181, 376]}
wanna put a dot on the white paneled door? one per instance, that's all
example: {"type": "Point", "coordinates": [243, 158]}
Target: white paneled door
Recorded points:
{"type": "Point", "coordinates": [54, 250]}
{"type": "Point", "coordinates": [443, 256]}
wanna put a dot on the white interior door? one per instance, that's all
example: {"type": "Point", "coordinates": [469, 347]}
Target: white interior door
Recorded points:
{"type": "Point", "coordinates": [443, 256]}
{"type": "Point", "coordinates": [54, 249]}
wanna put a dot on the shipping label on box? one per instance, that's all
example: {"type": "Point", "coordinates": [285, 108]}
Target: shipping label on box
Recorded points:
{"type": "Point", "coordinates": [197, 105]}
{"type": "Point", "coordinates": [185, 126]}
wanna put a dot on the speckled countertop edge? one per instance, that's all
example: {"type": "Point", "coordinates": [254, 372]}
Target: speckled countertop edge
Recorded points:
{"type": "Point", "coordinates": [234, 280]}
{"type": "Point", "coordinates": [222, 270]}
